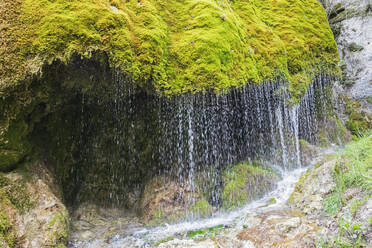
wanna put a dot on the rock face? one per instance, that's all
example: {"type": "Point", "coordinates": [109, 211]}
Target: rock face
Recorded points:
{"type": "Point", "coordinates": [351, 22]}
{"type": "Point", "coordinates": [167, 200]}
{"type": "Point", "coordinates": [243, 183]}
{"type": "Point", "coordinates": [31, 214]}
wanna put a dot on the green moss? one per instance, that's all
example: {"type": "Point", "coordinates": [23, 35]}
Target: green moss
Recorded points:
{"type": "Point", "coordinates": [202, 208]}
{"type": "Point", "coordinates": [58, 235]}
{"type": "Point", "coordinates": [358, 121]}
{"type": "Point", "coordinates": [272, 200]}
{"type": "Point", "coordinates": [299, 185]}
{"type": "Point", "coordinates": [353, 47]}
{"type": "Point", "coordinates": [205, 233]}
{"type": "Point", "coordinates": [178, 46]}
{"type": "Point", "coordinates": [9, 158]}
{"type": "Point", "coordinates": [6, 233]}
{"type": "Point", "coordinates": [245, 182]}
{"type": "Point", "coordinates": [16, 193]}
{"type": "Point", "coordinates": [164, 240]}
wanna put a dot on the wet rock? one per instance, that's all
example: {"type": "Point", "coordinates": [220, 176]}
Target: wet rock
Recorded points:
{"type": "Point", "coordinates": [244, 182]}
{"type": "Point", "coordinates": [37, 217]}
{"type": "Point", "coordinates": [167, 200]}
{"type": "Point", "coordinates": [281, 228]}
{"type": "Point", "coordinates": [312, 188]}
{"type": "Point", "coordinates": [90, 222]}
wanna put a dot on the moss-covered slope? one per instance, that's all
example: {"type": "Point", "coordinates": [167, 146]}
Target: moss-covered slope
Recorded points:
{"type": "Point", "coordinates": [176, 46]}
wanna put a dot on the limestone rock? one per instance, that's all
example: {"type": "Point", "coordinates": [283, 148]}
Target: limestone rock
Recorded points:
{"type": "Point", "coordinates": [312, 187]}
{"type": "Point", "coordinates": [168, 200]}
{"type": "Point", "coordinates": [37, 217]}
{"type": "Point", "coordinates": [351, 22]}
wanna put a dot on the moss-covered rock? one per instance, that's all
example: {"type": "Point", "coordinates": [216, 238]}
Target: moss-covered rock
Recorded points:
{"type": "Point", "coordinates": [358, 120]}
{"type": "Point", "coordinates": [50, 50]}
{"type": "Point", "coordinates": [245, 182]}
{"type": "Point", "coordinates": [31, 215]}
{"type": "Point", "coordinates": [167, 200]}
{"type": "Point", "coordinates": [177, 46]}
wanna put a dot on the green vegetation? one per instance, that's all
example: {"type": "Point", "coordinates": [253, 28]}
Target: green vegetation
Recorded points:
{"type": "Point", "coordinates": [272, 200]}
{"type": "Point", "coordinates": [205, 233]}
{"type": "Point", "coordinates": [299, 185]}
{"type": "Point", "coordinates": [353, 169]}
{"type": "Point", "coordinates": [169, 47]}
{"type": "Point", "coordinates": [245, 182]}
{"type": "Point", "coordinates": [164, 240]}
{"type": "Point", "coordinates": [59, 225]}
{"type": "Point", "coordinates": [349, 235]}
{"type": "Point", "coordinates": [176, 46]}
{"type": "Point", "coordinates": [202, 208]}
{"type": "Point", "coordinates": [358, 121]}
{"type": "Point", "coordinates": [353, 47]}
{"type": "Point", "coordinates": [6, 233]}
{"type": "Point", "coordinates": [15, 192]}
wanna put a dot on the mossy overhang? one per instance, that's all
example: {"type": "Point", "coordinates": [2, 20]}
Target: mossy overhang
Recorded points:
{"type": "Point", "coordinates": [178, 46]}
{"type": "Point", "coordinates": [170, 47]}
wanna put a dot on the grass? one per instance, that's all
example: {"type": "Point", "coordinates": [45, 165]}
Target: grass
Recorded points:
{"type": "Point", "coordinates": [353, 169]}
{"type": "Point", "coordinates": [176, 46]}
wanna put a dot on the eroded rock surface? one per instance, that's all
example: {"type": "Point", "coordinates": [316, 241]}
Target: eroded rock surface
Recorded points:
{"type": "Point", "coordinates": [33, 211]}
{"type": "Point", "coordinates": [351, 22]}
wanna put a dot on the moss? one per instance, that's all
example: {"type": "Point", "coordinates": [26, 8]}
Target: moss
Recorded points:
{"type": "Point", "coordinates": [177, 46]}
{"type": "Point", "coordinates": [202, 208]}
{"type": "Point", "coordinates": [58, 235]}
{"type": "Point", "coordinates": [299, 185]}
{"type": "Point", "coordinates": [358, 121]}
{"type": "Point", "coordinates": [205, 233]}
{"type": "Point", "coordinates": [164, 240]}
{"type": "Point", "coordinates": [16, 193]}
{"type": "Point", "coordinates": [6, 233]}
{"type": "Point", "coordinates": [353, 47]}
{"type": "Point", "coordinates": [9, 158]}
{"type": "Point", "coordinates": [272, 200]}
{"type": "Point", "coordinates": [245, 182]}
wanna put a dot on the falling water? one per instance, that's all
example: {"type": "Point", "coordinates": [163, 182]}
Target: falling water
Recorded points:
{"type": "Point", "coordinates": [136, 136]}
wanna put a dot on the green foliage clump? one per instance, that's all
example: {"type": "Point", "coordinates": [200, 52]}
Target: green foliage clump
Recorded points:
{"type": "Point", "coordinates": [180, 46]}
{"type": "Point", "coordinates": [59, 235]}
{"type": "Point", "coordinates": [202, 208]}
{"type": "Point", "coordinates": [205, 233]}
{"type": "Point", "coordinates": [6, 233]}
{"type": "Point", "coordinates": [245, 182]}
{"type": "Point", "coordinates": [358, 120]}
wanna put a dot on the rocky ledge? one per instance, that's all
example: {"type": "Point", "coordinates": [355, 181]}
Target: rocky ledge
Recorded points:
{"type": "Point", "coordinates": [31, 212]}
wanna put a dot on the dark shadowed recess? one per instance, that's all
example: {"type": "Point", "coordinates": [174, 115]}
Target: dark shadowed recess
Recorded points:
{"type": "Point", "coordinates": [105, 137]}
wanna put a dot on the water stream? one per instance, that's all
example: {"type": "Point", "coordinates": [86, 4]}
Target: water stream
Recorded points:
{"type": "Point", "coordinates": [147, 237]}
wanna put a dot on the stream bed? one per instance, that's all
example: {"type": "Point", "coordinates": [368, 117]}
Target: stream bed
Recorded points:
{"type": "Point", "coordinates": [219, 230]}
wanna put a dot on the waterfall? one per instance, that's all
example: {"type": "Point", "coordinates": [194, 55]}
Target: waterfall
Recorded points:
{"type": "Point", "coordinates": [137, 136]}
